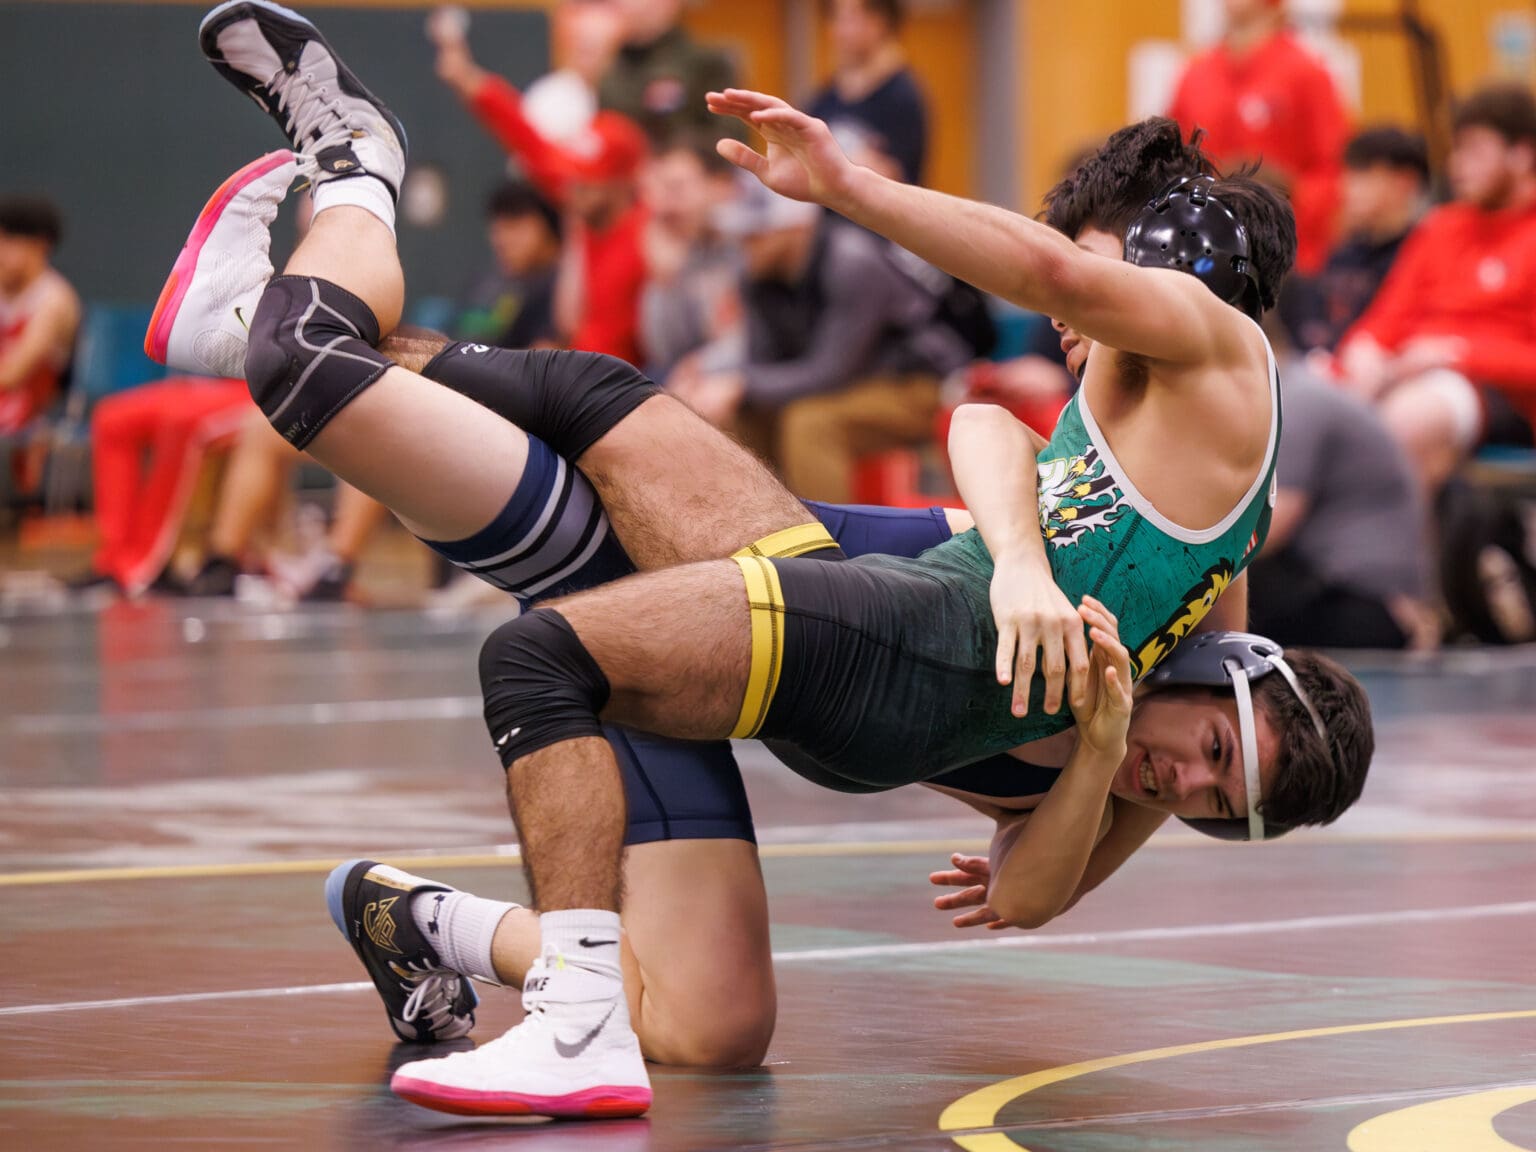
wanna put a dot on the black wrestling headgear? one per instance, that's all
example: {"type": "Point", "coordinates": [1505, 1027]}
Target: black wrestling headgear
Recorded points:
{"type": "Point", "coordinates": [1234, 660]}
{"type": "Point", "coordinates": [1188, 227]}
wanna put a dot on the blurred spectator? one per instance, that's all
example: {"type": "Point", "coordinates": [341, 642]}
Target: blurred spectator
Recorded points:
{"type": "Point", "coordinates": [39, 312]}
{"type": "Point", "coordinates": [1385, 191]}
{"type": "Point", "coordinates": [512, 304]}
{"type": "Point", "coordinates": [1448, 347]}
{"type": "Point", "coordinates": [148, 446]}
{"type": "Point", "coordinates": [660, 75]}
{"type": "Point", "coordinates": [1346, 562]}
{"type": "Point", "coordinates": [585, 36]}
{"type": "Point", "coordinates": [1261, 95]}
{"type": "Point", "coordinates": [845, 351]}
{"type": "Point", "coordinates": [873, 103]}
{"type": "Point", "coordinates": [259, 466]}
{"type": "Point", "coordinates": [592, 180]}
{"type": "Point", "coordinates": [691, 313]}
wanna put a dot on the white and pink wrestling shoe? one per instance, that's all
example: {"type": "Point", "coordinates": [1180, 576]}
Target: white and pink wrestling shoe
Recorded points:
{"type": "Point", "coordinates": [201, 320]}
{"type": "Point", "coordinates": [575, 1056]}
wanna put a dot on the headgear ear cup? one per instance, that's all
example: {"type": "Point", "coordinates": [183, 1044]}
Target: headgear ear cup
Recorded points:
{"type": "Point", "coordinates": [1189, 229]}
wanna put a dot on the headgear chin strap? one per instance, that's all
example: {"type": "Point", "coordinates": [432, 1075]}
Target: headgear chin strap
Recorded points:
{"type": "Point", "coordinates": [1188, 228]}
{"type": "Point", "coordinates": [1235, 660]}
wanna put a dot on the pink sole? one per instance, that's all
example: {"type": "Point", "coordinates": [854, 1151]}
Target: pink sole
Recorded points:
{"type": "Point", "coordinates": [591, 1104]}
{"type": "Point", "coordinates": [157, 338]}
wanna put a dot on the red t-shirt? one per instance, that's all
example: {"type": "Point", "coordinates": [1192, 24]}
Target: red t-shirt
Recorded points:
{"type": "Point", "coordinates": [1471, 274]}
{"type": "Point", "coordinates": [613, 260]}
{"type": "Point", "coordinates": [1275, 103]}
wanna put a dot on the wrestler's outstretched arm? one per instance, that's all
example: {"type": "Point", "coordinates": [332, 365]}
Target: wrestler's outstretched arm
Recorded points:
{"type": "Point", "coordinates": [1155, 312]}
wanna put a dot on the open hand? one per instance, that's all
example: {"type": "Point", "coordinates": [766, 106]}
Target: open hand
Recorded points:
{"type": "Point", "coordinates": [803, 161]}
{"type": "Point", "coordinates": [971, 874]}
{"type": "Point", "coordinates": [1103, 714]}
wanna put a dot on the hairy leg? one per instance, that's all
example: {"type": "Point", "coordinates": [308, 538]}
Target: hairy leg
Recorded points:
{"type": "Point", "coordinates": [679, 490]}
{"type": "Point", "coordinates": [676, 489]}
{"type": "Point", "coordinates": [672, 650]}
{"type": "Point", "coordinates": [698, 966]}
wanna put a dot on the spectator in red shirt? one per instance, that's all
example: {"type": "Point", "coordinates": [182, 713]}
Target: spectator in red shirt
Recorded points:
{"type": "Point", "coordinates": [1261, 95]}
{"type": "Point", "coordinates": [1448, 347]}
{"type": "Point", "coordinates": [39, 311]}
{"type": "Point", "coordinates": [592, 178]}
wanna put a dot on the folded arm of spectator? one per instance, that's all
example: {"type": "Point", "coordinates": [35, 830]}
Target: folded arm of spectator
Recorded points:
{"type": "Point", "coordinates": [1366, 350]}
{"type": "Point", "coordinates": [1509, 363]}
{"type": "Point", "coordinates": [849, 325]}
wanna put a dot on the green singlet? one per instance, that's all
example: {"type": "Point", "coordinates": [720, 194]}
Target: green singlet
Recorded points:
{"type": "Point", "coordinates": [889, 673]}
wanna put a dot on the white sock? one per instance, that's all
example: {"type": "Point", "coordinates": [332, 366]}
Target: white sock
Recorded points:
{"type": "Point", "coordinates": [366, 192]}
{"type": "Point", "coordinates": [586, 938]}
{"type": "Point", "coordinates": [461, 927]}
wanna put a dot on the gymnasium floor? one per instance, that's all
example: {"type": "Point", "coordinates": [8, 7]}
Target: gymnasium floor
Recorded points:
{"type": "Point", "coordinates": [177, 779]}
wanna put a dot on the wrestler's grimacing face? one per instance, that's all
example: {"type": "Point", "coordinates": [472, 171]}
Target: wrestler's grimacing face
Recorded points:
{"type": "Point", "coordinates": [1184, 755]}
{"type": "Point", "coordinates": [1074, 345]}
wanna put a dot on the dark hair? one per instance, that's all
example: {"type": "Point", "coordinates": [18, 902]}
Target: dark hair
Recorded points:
{"type": "Point", "coordinates": [893, 12]}
{"type": "Point", "coordinates": [697, 143]}
{"type": "Point", "coordinates": [516, 199]}
{"type": "Point", "coordinates": [1110, 188]}
{"type": "Point", "coordinates": [1271, 226]}
{"type": "Point", "coordinates": [33, 217]}
{"type": "Point", "coordinates": [1114, 182]}
{"type": "Point", "coordinates": [1507, 108]}
{"type": "Point", "coordinates": [1314, 784]}
{"type": "Point", "coordinates": [1388, 146]}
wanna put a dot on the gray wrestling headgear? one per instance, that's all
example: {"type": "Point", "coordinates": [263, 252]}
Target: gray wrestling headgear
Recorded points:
{"type": "Point", "coordinates": [1187, 227]}
{"type": "Point", "coordinates": [1235, 660]}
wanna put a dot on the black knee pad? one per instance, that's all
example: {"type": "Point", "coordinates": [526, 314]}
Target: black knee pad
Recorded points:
{"type": "Point", "coordinates": [569, 400]}
{"type": "Point", "coordinates": [311, 352]}
{"type": "Point", "coordinates": [540, 685]}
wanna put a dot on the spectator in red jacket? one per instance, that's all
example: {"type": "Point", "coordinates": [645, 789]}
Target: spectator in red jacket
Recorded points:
{"type": "Point", "coordinates": [592, 178]}
{"type": "Point", "coordinates": [1261, 95]}
{"type": "Point", "coordinates": [1448, 347]}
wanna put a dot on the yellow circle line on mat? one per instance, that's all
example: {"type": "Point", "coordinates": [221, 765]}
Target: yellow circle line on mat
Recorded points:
{"type": "Point", "coordinates": [806, 850]}
{"type": "Point", "coordinates": [980, 1109]}
{"type": "Point", "coordinates": [1456, 1124]}
{"type": "Point", "coordinates": [470, 860]}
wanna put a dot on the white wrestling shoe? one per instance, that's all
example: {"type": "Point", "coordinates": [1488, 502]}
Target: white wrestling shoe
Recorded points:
{"type": "Point", "coordinates": [280, 60]}
{"type": "Point", "coordinates": [200, 321]}
{"type": "Point", "coordinates": [575, 1056]}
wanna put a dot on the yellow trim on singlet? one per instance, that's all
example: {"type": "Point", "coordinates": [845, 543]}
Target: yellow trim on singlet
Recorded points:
{"type": "Point", "coordinates": [796, 541]}
{"type": "Point", "coordinates": [765, 600]}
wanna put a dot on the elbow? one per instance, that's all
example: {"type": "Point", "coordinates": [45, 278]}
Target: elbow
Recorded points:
{"type": "Point", "coordinates": [1020, 911]}
{"type": "Point", "coordinates": [972, 417]}
{"type": "Point", "coordinates": [975, 422]}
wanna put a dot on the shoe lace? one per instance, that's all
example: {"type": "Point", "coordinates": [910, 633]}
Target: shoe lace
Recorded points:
{"type": "Point", "coordinates": [433, 991]}
{"type": "Point", "coordinates": [308, 107]}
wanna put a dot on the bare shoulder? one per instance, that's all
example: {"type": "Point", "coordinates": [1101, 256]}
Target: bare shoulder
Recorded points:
{"type": "Point", "coordinates": [60, 300]}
